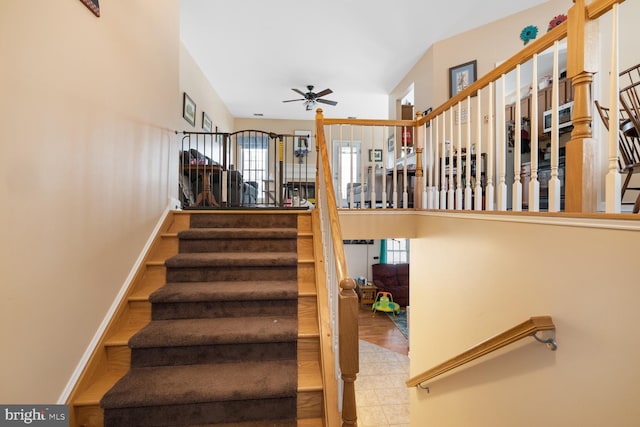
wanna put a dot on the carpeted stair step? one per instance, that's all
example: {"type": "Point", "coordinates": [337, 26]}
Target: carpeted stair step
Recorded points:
{"type": "Point", "coordinates": [239, 220]}
{"type": "Point", "coordinates": [238, 240]}
{"type": "Point", "coordinates": [208, 267]}
{"type": "Point", "coordinates": [224, 299]}
{"type": "Point", "coordinates": [191, 341]}
{"type": "Point", "coordinates": [203, 394]}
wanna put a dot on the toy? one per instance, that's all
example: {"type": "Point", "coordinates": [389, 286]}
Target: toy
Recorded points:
{"type": "Point", "coordinates": [384, 302]}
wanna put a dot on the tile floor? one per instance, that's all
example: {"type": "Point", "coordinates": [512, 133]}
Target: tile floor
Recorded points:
{"type": "Point", "coordinates": [382, 396]}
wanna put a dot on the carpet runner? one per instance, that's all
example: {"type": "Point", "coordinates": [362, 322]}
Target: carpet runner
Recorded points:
{"type": "Point", "coordinates": [221, 348]}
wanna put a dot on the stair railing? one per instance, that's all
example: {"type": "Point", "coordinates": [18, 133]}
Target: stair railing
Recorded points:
{"type": "Point", "coordinates": [342, 297]}
{"type": "Point", "coordinates": [525, 329]}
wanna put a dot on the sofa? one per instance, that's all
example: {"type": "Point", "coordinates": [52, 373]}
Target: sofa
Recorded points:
{"type": "Point", "coordinates": [392, 278]}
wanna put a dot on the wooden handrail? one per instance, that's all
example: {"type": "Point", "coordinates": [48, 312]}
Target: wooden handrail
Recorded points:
{"type": "Point", "coordinates": [525, 329]}
{"type": "Point", "coordinates": [347, 298]}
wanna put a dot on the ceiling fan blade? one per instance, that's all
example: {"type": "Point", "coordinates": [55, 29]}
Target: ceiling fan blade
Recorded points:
{"type": "Point", "coordinates": [326, 101]}
{"type": "Point", "coordinates": [324, 92]}
{"type": "Point", "coordinates": [292, 100]}
{"type": "Point", "coordinates": [300, 92]}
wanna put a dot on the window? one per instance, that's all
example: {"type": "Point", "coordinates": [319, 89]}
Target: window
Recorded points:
{"type": "Point", "coordinates": [254, 156]}
{"type": "Point", "coordinates": [397, 251]}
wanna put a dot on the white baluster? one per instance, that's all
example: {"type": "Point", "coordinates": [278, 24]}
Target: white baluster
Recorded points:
{"type": "Point", "coordinates": [534, 184]}
{"type": "Point", "coordinates": [489, 192]}
{"type": "Point", "coordinates": [554, 182]}
{"type": "Point", "coordinates": [432, 166]}
{"type": "Point", "coordinates": [613, 179]}
{"type": "Point", "coordinates": [339, 171]}
{"type": "Point", "coordinates": [385, 139]}
{"type": "Point", "coordinates": [516, 196]}
{"type": "Point", "coordinates": [502, 141]}
{"type": "Point", "coordinates": [451, 193]}
{"type": "Point", "coordinates": [426, 189]}
{"type": "Point", "coordinates": [405, 152]}
{"type": "Point", "coordinates": [443, 159]}
{"type": "Point", "coordinates": [478, 153]}
{"type": "Point", "coordinates": [459, 159]}
{"type": "Point", "coordinates": [467, 186]}
{"type": "Point", "coordinates": [372, 175]}
{"type": "Point", "coordinates": [351, 166]}
{"type": "Point", "coordinates": [436, 164]}
{"type": "Point", "coordinates": [395, 169]}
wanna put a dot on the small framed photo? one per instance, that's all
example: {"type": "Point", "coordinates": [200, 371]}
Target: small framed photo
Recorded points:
{"type": "Point", "coordinates": [206, 122]}
{"type": "Point", "coordinates": [375, 155]}
{"type": "Point", "coordinates": [189, 109]}
{"type": "Point", "coordinates": [461, 76]}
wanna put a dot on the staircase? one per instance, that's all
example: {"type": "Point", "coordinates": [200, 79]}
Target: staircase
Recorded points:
{"type": "Point", "coordinates": [234, 337]}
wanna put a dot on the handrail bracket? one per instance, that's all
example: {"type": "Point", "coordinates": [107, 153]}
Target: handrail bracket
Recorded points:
{"type": "Point", "coordinates": [550, 342]}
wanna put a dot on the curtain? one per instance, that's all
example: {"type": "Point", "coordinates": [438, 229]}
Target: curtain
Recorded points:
{"type": "Point", "coordinates": [383, 251]}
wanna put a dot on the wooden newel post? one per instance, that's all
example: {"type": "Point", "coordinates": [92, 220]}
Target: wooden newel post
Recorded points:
{"type": "Point", "coordinates": [349, 351]}
{"type": "Point", "coordinates": [420, 143]}
{"type": "Point", "coordinates": [580, 153]}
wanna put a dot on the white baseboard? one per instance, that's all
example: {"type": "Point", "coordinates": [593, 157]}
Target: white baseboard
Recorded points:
{"type": "Point", "coordinates": [116, 302]}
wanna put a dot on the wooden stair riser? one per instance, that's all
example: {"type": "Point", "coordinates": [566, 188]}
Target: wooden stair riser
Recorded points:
{"type": "Point", "coordinates": [307, 307]}
{"type": "Point", "coordinates": [310, 404]}
{"type": "Point", "coordinates": [180, 221]}
{"type": "Point", "coordinates": [118, 357]}
{"type": "Point", "coordinates": [154, 277]}
{"type": "Point", "coordinates": [309, 349]}
{"type": "Point", "coordinates": [237, 245]}
{"type": "Point", "coordinates": [306, 272]}
{"type": "Point", "coordinates": [231, 273]}
{"type": "Point", "coordinates": [166, 246]}
{"type": "Point", "coordinates": [240, 220]}
{"type": "Point", "coordinates": [305, 246]}
{"type": "Point", "coordinates": [304, 224]}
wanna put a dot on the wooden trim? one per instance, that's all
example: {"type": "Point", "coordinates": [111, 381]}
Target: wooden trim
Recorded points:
{"type": "Point", "coordinates": [369, 122]}
{"type": "Point", "coordinates": [597, 8]}
{"type": "Point", "coordinates": [523, 330]}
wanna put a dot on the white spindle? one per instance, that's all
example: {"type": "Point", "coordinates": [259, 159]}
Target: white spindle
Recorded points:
{"type": "Point", "coordinates": [339, 171]}
{"type": "Point", "coordinates": [554, 182]}
{"type": "Point", "coordinates": [351, 166]}
{"type": "Point", "coordinates": [374, 166]}
{"type": "Point", "coordinates": [436, 164]}
{"type": "Point", "coordinates": [502, 141]}
{"type": "Point", "coordinates": [443, 160]}
{"type": "Point", "coordinates": [451, 193]}
{"type": "Point", "coordinates": [395, 168]}
{"type": "Point", "coordinates": [363, 162]}
{"type": "Point", "coordinates": [613, 181]}
{"type": "Point", "coordinates": [534, 184]}
{"type": "Point", "coordinates": [516, 196]}
{"type": "Point", "coordinates": [459, 159]}
{"type": "Point", "coordinates": [489, 192]}
{"type": "Point", "coordinates": [385, 139]}
{"type": "Point", "coordinates": [467, 187]}
{"type": "Point", "coordinates": [405, 154]}
{"type": "Point", "coordinates": [478, 153]}
{"type": "Point", "coordinates": [426, 157]}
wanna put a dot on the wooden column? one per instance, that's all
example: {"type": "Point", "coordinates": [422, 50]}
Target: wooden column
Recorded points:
{"type": "Point", "coordinates": [580, 153]}
{"type": "Point", "coordinates": [349, 350]}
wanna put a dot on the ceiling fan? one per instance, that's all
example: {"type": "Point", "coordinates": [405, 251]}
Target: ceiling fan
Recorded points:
{"type": "Point", "coordinates": [310, 98]}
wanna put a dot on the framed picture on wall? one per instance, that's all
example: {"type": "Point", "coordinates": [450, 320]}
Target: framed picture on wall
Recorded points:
{"type": "Point", "coordinates": [303, 140]}
{"type": "Point", "coordinates": [461, 76]}
{"type": "Point", "coordinates": [189, 109]}
{"type": "Point", "coordinates": [206, 122]}
{"type": "Point", "coordinates": [93, 6]}
{"type": "Point", "coordinates": [375, 155]}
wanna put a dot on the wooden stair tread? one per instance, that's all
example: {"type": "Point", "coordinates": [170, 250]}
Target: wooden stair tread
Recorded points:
{"type": "Point", "coordinates": [310, 422]}
{"type": "Point", "coordinates": [309, 376]}
{"type": "Point", "coordinates": [120, 337]}
{"type": "Point", "coordinates": [93, 394]}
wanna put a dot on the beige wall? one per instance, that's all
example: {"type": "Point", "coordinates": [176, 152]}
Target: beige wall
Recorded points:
{"type": "Point", "coordinates": [488, 45]}
{"type": "Point", "coordinates": [89, 106]}
{"type": "Point", "coordinates": [473, 278]}
{"type": "Point", "coordinates": [194, 82]}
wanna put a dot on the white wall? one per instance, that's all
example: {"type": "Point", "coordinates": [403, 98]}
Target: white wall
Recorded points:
{"type": "Point", "coordinates": [473, 278]}
{"type": "Point", "coordinates": [89, 106]}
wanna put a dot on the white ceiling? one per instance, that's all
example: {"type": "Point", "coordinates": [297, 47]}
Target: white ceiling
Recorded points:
{"type": "Point", "coordinates": [255, 51]}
